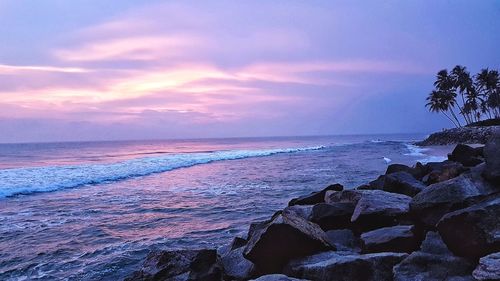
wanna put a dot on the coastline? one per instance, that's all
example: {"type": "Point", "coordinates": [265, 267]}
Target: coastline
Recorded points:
{"type": "Point", "coordinates": [466, 135]}
{"type": "Point", "coordinates": [407, 224]}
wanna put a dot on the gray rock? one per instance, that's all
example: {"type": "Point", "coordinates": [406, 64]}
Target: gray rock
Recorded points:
{"type": "Point", "coordinates": [460, 135]}
{"type": "Point", "coordinates": [285, 237]}
{"type": "Point", "coordinates": [488, 268]}
{"type": "Point", "coordinates": [434, 262]}
{"type": "Point", "coordinates": [344, 240]}
{"type": "Point", "coordinates": [236, 266]}
{"type": "Point", "coordinates": [179, 265]}
{"type": "Point", "coordinates": [436, 200]}
{"type": "Point", "coordinates": [315, 197]}
{"type": "Point", "coordinates": [473, 232]}
{"type": "Point", "coordinates": [442, 171]}
{"type": "Point", "coordinates": [465, 155]}
{"type": "Point", "coordinates": [236, 243]}
{"type": "Point", "coordinates": [400, 238]}
{"type": "Point", "coordinates": [345, 266]}
{"type": "Point", "coordinates": [277, 277]}
{"type": "Point", "coordinates": [374, 208]}
{"type": "Point", "coordinates": [332, 215]}
{"type": "Point", "coordinates": [403, 182]}
{"type": "Point", "coordinates": [304, 211]}
{"type": "Point", "coordinates": [492, 158]}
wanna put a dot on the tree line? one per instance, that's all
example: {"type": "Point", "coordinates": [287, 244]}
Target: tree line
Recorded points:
{"type": "Point", "coordinates": [462, 97]}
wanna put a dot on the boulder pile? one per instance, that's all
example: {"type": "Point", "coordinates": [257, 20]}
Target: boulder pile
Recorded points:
{"type": "Point", "coordinates": [438, 221]}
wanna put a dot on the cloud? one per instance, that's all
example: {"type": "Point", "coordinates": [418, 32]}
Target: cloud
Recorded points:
{"type": "Point", "coordinates": [20, 69]}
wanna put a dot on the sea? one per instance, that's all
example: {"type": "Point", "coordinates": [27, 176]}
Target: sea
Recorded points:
{"type": "Point", "coordinates": [93, 210]}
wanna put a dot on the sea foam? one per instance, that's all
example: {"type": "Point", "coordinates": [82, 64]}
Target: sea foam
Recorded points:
{"type": "Point", "coordinates": [43, 179]}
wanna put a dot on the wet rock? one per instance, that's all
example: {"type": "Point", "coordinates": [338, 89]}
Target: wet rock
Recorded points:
{"type": "Point", "coordinates": [285, 237]}
{"type": "Point", "coordinates": [442, 171]}
{"type": "Point", "coordinates": [488, 268]}
{"type": "Point", "coordinates": [465, 155]}
{"type": "Point", "coordinates": [433, 262]}
{"type": "Point", "coordinates": [436, 200]}
{"type": "Point", "coordinates": [315, 197]}
{"type": "Point", "coordinates": [473, 232]}
{"type": "Point", "coordinates": [235, 244]}
{"type": "Point", "coordinates": [340, 266]}
{"type": "Point", "coordinates": [417, 172]}
{"type": "Point", "coordinates": [179, 265]}
{"type": "Point", "coordinates": [236, 266]}
{"type": "Point", "coordinates": [403, 182]}
{"type": "Point", "coordinates": [277, 277]}
{"type": "Point", "coordinates": [206, 267]}
{"type": "Point", "coordinates": [344, 240]}
{"type": "Point", "coordinates": [332, 216]}
{"type": "Point", "coordinates": [304, 211]}
{"type": "Point", "coordinates": [492, 158]}
{"type": "Point", "coordinates": [400, 238]}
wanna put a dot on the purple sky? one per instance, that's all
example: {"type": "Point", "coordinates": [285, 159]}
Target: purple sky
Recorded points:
{"type": "Point", "coordinates": [99, 70]}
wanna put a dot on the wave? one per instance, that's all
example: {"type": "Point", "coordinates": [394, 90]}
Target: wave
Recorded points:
{"type": "Point", "coordinates": [415, 150]}
{"type": "Point", "coordinates": [43, 179]}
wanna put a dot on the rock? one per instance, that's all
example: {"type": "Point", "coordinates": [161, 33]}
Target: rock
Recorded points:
{"type": "Point", "coordinates": [433, 262]}
{"type": "Point", "coordinates": [344, 240]}
{"type": "Point", "coordinates": [377, 184]}
{"type": "Point", "coordinates": [285, 237]}
{"type": "Point", "coordinates": [442, 171]}
{"type": "Point", "coordinates": [304, 211]}
{"type": "Point", "coordinates": [438, 199]}
{"type": "Point", "coordinates": [206, 267]}
{"type": "Point", "coordinates": [400, 238]}
{"type": "Point", "coordinates": [332, 216]}
{"type": "Point", "coordinates": [478, 134]}
{"type": "Point", "coordinates": [492, 158]}
{"type": "Point", "coordinates": [402, 182]}
{"type": "Point", "coordinates": [315, 197]}
{"type": "Point", "coordinates": [374, 208]}
{"type": "Point", "coordinates": [277, 277]}
{"type": "Point", "coordinates": [178, 265]}
{"type": "Point", "coordinates": [235, 244]}
{"type": "Point", "coordinates": [345, 266]}
{"type": "Point", "coordinates": [473, 232]}
{"type": "Point", "coordinates": [236, 266]}
{"type": "Point", "coordinates": [465, 155]}
{"type": "Point", "coordinates": [488, 268]}
{"type": "Point", "coordinates": [417, 172]}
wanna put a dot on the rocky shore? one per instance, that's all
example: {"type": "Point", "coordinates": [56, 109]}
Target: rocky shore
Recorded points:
{"type": "Point", "coordinates": [438, 221]}
{"type": "Point", "coordinates": [468, 135]}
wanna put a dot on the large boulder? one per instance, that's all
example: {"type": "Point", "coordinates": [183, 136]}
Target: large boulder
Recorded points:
{"type": "Point", "coordinates": [345, 266]}
{"type": "Point", "coordinates": [285, 237]}
{"type": "Point", "coordinates": [332, 215]}
{"type": "Point", "coordinates": [473, 232]}
{"type": "Point", "coordinates": [492, 158]}
{"type": "Point", "coordinates": [433, 262]}
{"type": "Point", "coordinates": [179, 265]}
{"type": "Point", "coordinates": [315, 197]}
{"type": "Point", "coordinates": [277, 277]}
{"type": "Point", "coordinates": [344, 240]}
{"type": "Point", "coordinates": [417, 172]}
{"type": "Point", "coordinates": [488, 268]}
{"type": "Point", "coordinates": [466, 155]}
{"type": "Point", "coordinates": [436, 200]}
{"type": "Point", "coordinates": [403, 182]}
{"type": "Point", "coordinates": [236, 266]}
{"type": "Point", "coordinates": [400, 238]}
{"type": "Point", "coordinates": [374, 208]}
{"type": "Point", "coordinates": [442, 171]}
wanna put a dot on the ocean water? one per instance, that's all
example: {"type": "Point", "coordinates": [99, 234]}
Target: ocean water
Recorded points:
{"type": "Point", "coordinates": [93, 210]}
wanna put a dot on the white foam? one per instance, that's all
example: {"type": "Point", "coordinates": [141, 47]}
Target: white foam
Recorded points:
{"type": "Point", "coordinates": [43, 179]}
{"type": "Point", "coordinates": [387, 160]}
{"type": "Point", "coordinates": [415, 150]}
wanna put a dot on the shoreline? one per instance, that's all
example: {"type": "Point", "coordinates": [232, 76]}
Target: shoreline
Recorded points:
{"type": "Point", "coordinates": [339, 233]}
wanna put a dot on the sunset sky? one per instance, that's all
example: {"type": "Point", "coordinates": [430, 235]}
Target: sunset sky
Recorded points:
{"type": "Point", "coordinates": [104, 70]}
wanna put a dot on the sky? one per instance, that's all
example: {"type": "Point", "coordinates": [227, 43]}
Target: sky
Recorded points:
{"type": "Point", "coordinates": [125, 69]}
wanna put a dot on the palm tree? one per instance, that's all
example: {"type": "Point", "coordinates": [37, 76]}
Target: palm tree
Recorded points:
{"type": "Point", "coordinates": [464, 84]}
{"type": "Point", "coordinates": [445, 86]}
{"type": "Point", "coordinates": [437, 102]}
{"type": "Point", "coordinates": [487, 82]}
